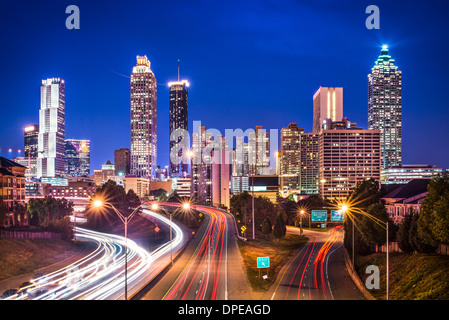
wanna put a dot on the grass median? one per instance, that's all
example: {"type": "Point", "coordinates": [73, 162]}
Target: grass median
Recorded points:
{"type": "Point", "coordinates": [412, 276]}
{"type": "Point", "coordinates": [266, 246]}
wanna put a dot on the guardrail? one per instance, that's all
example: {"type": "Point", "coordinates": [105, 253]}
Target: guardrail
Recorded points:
{"type": "Point", "coordinates": [29, 235]}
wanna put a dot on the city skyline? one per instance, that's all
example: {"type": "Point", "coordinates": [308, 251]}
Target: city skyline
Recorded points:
{"type": "Point", "coordinates": [290, 97]}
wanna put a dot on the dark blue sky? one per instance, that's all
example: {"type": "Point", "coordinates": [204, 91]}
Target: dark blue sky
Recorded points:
{"type": "Point", "coordinates": [249, 63]}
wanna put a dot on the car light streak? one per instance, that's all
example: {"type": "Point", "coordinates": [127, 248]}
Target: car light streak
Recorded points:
{"type": "Point", "coordinates": [100, 274]}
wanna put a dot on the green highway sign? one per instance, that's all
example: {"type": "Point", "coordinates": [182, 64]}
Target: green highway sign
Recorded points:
{"type": "Point", "coordinates": [319, 215]}
{"type": "Point", "coordinates": [337, 215]}
{"type": "Point", "coordinates": [263, 262]}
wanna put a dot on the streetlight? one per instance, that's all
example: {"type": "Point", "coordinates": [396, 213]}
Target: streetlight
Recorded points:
{"type": "Point", "coordinates": [344, 208]}
{"type": "Point", "coordinates": [125, 219]}
{"type": "Point", "coordinates": [155, 207]}
{"type": "Point", "coordinates": [301, 213]}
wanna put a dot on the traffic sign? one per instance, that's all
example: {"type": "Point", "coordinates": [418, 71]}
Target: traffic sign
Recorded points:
{"type": "Point", "coordinates": [337, 215]}
{"type": "Point", "coordinates": [319, 215]}
{"type": "Point", "coordinates": [263, 262]}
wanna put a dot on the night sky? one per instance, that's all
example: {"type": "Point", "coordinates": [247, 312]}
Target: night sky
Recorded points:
{"type": "Point", "coordinates": [248, 62]}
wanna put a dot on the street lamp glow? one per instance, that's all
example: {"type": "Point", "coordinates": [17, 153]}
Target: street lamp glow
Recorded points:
{"type": "Point", "coordinates": [154, 206]}
{"type": "Point", "coordinates": [98, 203]}
{"type": "Point", "coordinates": [302, 212]}
{"type": "Point", "coordinates": [186, 206]}
{"type": "Point", "coordinates": [344, 208]}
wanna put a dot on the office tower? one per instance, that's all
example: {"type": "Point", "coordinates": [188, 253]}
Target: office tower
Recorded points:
{"type": "Point", "coordinates": [259, 152]}
{"type": "Point", "coordinates": [179, 92]}
{"type": "Point", "coordinates": [220, 177]}
{"type": "Point", "coordinates": [50, 162]}
{"type": "Point", "coordinates": [202, 146]}
{"type": "Point", "coordinates": [77, 157]}
{"type": "Point", "coordinates": [309, 163]}
{"type": "Point", "coordinates": [327, 104]}
{"type": "Point", "coordinates": [290, 157]}
{"type": "Point", "coordinates": [143, 119]}
{"type": "Point", "coordinates": [347, 155]}
{"type": "Point", "coordinates": [31, 139]}
{"type": "Point", "coordinates": [122, 161]}
{"type": "Point", "coordinates": [385, 107]}
{"type": "Point", "coordinates": [240, 166]}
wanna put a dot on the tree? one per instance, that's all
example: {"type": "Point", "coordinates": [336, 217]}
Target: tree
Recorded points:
{"type": "Point", "coordinates": [373, 233]}
{"type": "Point", "coordinates": [111, 192]}
{"type": "Point", "coordinates": [266, 226]}
{"type": "Point", "coordinates": [403, 235]}
{"type": "Point", "coordinates": [433, 222]}
{"type": "Point", "coordinates": [279, 229]}
{"type": "Point", "coordinates": [415, 239]}
{"type": "Point", "coordinates": [42, 211]}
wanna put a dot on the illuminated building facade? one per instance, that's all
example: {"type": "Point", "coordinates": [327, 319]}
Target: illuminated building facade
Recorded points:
{"type": "Point", "coordinates": [77, 157]}
{"type": "Point", "coordinates": [327, 104]}
{"type": "Point", "coordinates": [347, 155]}
{"type": "Point", "coordinates": [122, 161]}
{"type": "Point", "coordinates": [50, 161]}
{"type": "Point", "coordinates": [143, 119]}
{"type": "Point", "coordinates": [309, 163]}
{"type": "Point", "coordinates": [385, 107]}
{"type": "Point", "coordinates": [290, 157]}
{"type": "Point", "coordinates": [178, 105]}
{"type": "Point", "coordinates": [31, 140]}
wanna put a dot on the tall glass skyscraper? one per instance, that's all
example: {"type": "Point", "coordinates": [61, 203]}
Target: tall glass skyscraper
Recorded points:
{"type": "Point", "coordinates": [143, 119]}
{"type": "Point", "coordinates": [77, 157]}
{"type": "Point", "coordinates": [50, 161]}
{"type": "Point", "coordinates": [385, 108]}
{"type": "Point", "coordinates": [179, 94]}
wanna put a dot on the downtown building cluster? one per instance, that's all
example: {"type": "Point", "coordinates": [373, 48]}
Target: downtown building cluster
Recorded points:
{"type": "Point", "coordinates": [208, 168]}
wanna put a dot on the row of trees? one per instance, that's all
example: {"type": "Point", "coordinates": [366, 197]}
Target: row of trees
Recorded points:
{"type": "Point", "coordinates": [422, 232]}
{"type": "Point", "coordinates": [51, 213]}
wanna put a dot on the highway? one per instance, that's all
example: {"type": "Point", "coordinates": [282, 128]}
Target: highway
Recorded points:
{"type": "Point", "coordinates": [316, 271]}
{"type": "Point", "coordinates": [210, 269]}
{"type": "Point", "coordinates": [100, 275]}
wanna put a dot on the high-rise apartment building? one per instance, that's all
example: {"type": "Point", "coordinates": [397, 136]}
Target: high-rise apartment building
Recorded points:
{"type": "Point", "coordinates": [50, 162]}
{"type": "Point", "coordinates": [178, 105]}
{"type": "Point", "coordinates": [77, 157]}
{"type": "Point", "coordinates": [220, 174]}
{"type": "Point", "coordinates": [143, 119]}
{"type": "Point", "coordinates": [347, 155]}
{"type": "Point", "coordinates": [309, 163]}
{"type": "Point", "coordinates": [202, 146]}
{"type": "Point", "coordinates": [259, 152]}
{"type": "Point", "coordinates": [385, 108]}
{"type": "Point", "coordinates": [122, 161]}
{"type": "Point", "coordinates": [290, 157]}
{"type": "Point", "coordinates": [327, 104]}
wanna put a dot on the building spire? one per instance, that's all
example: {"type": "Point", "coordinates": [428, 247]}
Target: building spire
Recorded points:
{"type": "Point", "coordinates": [178, 69]}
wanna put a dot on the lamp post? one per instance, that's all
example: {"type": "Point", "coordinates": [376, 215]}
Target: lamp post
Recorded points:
{"type": "Point", "coordinates": [384, 225]}
{"type": "Point", "coordinates": [155, 207]}
{"type": "Point", "coordinates": [125, 220]}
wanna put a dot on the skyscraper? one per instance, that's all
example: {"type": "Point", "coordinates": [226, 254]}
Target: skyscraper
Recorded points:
{"type": "Point", "coordinates": [385, 108]}
{"type": "Point", "coordinates": [290, 157]}
{"type": "Point", "coordinates": [309, 163]}
{"type": "Point", "coordinates": [179, 92]}
{"type": "Point", "coordinates": [77, 157]}
{"type": "Point", "coordinates": [327, 104]}
{"type": "Point", "coordinates": [143, 119]}
{"type": "Point", "coordinates": [121, 161]}
{"type": "Point", "coordinates": [31, 140]}
{"type": "Point", "coordinates": [347, 155]}
{"type": "Point", "coordinates": [50, 162]}
{"type": "Point", "coordinates": [259, 152]}
{"type": "Point", "coordinates": [201, 185]}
